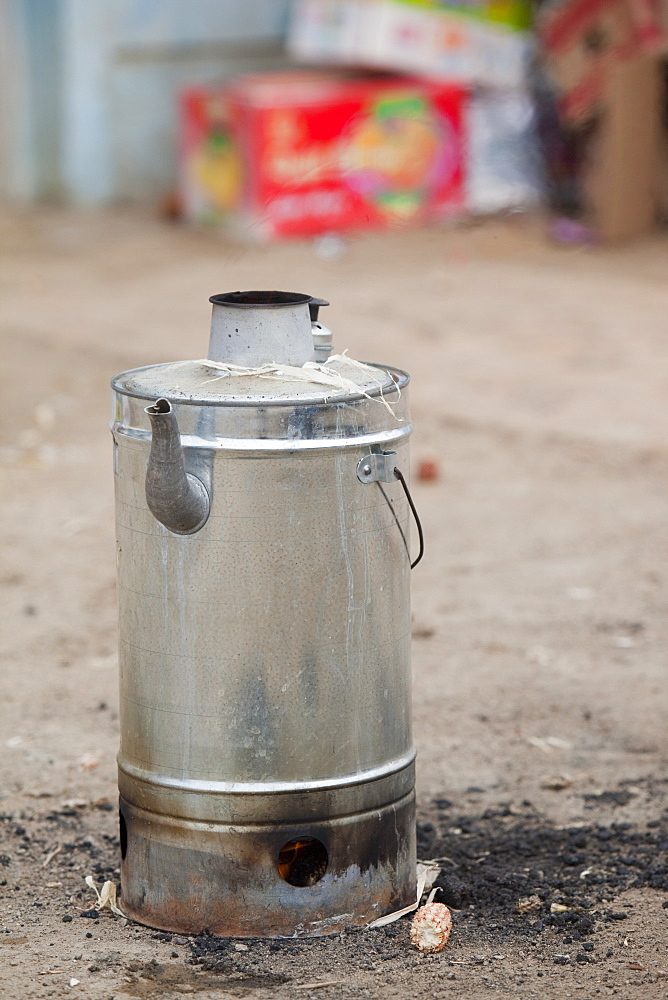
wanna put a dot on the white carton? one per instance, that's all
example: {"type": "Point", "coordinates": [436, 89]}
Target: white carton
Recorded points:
{"type": "Point", "coordinates": [385, 34]}
{"type": "Point", "coordinates": [503, 164]}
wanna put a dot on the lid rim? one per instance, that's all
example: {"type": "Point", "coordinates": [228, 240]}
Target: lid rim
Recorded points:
{"type": "Point", "coordinates": [256, 299]}
{"type": "Point", "coordinates": [326, 400]}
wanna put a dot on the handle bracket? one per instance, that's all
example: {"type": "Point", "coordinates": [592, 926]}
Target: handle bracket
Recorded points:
{"type": "Point", "coordinates": [377, 467]}
{"type": "Point", "coordinates": [380, 467]}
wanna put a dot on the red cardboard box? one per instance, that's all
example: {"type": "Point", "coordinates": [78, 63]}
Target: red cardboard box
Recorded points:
{"type": "Point", "coordinates": [295, 154]}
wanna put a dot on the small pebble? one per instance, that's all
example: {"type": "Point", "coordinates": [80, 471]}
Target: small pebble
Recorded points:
{"type": "Point", "coordinates": [428, 471]}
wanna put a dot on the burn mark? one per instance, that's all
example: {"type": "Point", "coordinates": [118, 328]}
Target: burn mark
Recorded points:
{"type": "Point", "coordinates": [268, 879]}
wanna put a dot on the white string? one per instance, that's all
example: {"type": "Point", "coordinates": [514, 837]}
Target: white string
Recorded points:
{"type": "Point", "coordinates": [311, 371]}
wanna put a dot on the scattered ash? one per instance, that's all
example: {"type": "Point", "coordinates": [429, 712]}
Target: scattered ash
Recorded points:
{"type": "Point", "coordinates": [353, 950]}
{"type": "Point", "coordinates": [502, 871]}
{"type": "Point", "coordinates": [64, 845]}
{"type": "Point", "coordinates": [510, 871]}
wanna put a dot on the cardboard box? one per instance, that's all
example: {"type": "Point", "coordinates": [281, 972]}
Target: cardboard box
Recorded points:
{"type": "Point", "coordinates": [406, 36]}
{"type": "Point", "coordinates": [600, 58]}
{"type": "Point", "coordinates": [296, 154]}
{"type": "Point", "coordinates": [581, 42]}
{"type": "Point", "coordinates": [622, 176]}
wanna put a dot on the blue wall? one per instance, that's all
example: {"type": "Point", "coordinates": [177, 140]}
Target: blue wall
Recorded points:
{"type": "Point", "coordinates": [99, 100]}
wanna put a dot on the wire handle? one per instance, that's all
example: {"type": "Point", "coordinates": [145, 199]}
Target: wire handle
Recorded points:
{"type": "Point", "coordinates": [399, 475]}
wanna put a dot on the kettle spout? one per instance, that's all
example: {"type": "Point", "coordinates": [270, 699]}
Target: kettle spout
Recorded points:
{"type": "Point", "coordinates": [176, 498]}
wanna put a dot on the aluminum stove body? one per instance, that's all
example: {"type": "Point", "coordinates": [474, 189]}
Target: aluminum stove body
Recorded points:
{"type": "Point", "coordinates": [266, 767]}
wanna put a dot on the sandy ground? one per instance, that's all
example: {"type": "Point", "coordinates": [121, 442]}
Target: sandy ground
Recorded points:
{"type": "Point", "coordinates": [539, 384]}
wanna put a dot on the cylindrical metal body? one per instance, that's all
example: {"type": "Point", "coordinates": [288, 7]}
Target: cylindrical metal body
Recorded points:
{"type": "Point", "coordinates": [265, 663]}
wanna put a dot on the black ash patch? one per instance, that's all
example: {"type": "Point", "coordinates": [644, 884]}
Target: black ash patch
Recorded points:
{"type": "Point", "coordinates": [494, 860]}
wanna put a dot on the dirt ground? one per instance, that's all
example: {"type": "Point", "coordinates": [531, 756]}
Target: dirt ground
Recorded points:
{"type": "Point", "coordinates": [540, 378]}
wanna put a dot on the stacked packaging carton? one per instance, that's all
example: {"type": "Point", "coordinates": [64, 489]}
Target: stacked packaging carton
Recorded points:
{"type": "Point", "coordinates": [302, 153]}
{"type": "Point", "coordinates": [483, 45]}
{"type": "Point", "coordinates": [478, 43]}
{"type": "Point", "coordinates": [601, 115]}
{"type": "Point", "coordinates": [446, 129]}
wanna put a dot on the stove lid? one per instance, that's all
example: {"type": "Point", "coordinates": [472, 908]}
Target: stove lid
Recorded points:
{"type": "Point", "coordinates": [220, 384]}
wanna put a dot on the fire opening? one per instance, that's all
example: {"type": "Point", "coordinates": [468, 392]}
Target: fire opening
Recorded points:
{"type": "Point", "coordinates": [123, 834]}
{"type": "Point", "coordinates": [302, 862]}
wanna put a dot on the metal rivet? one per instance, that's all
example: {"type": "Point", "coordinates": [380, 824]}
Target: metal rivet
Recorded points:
{"type": "Point", "coordinates": [367, 470]}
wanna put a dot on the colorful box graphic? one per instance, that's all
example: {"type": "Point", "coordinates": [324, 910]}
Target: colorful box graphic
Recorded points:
{"type": "Point", "coordinates": [296, 154]}
{"type": "Point", "coordinates": [514, 14]}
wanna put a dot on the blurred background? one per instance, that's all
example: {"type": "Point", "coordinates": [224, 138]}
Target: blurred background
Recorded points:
{"type": "Point", "coordinates": [478, 190]}
{"type": "Point", "coordinates": [503, 105]}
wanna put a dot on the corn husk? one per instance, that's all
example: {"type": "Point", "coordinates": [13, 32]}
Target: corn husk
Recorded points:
{"type": "Point", "coordinates": [426, 876]}
{"type": "Point", "coordinates": [106, 897]}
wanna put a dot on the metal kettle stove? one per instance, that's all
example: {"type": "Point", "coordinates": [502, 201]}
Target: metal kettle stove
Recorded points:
{"type": "Point", "coordinates": [266, 767]}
